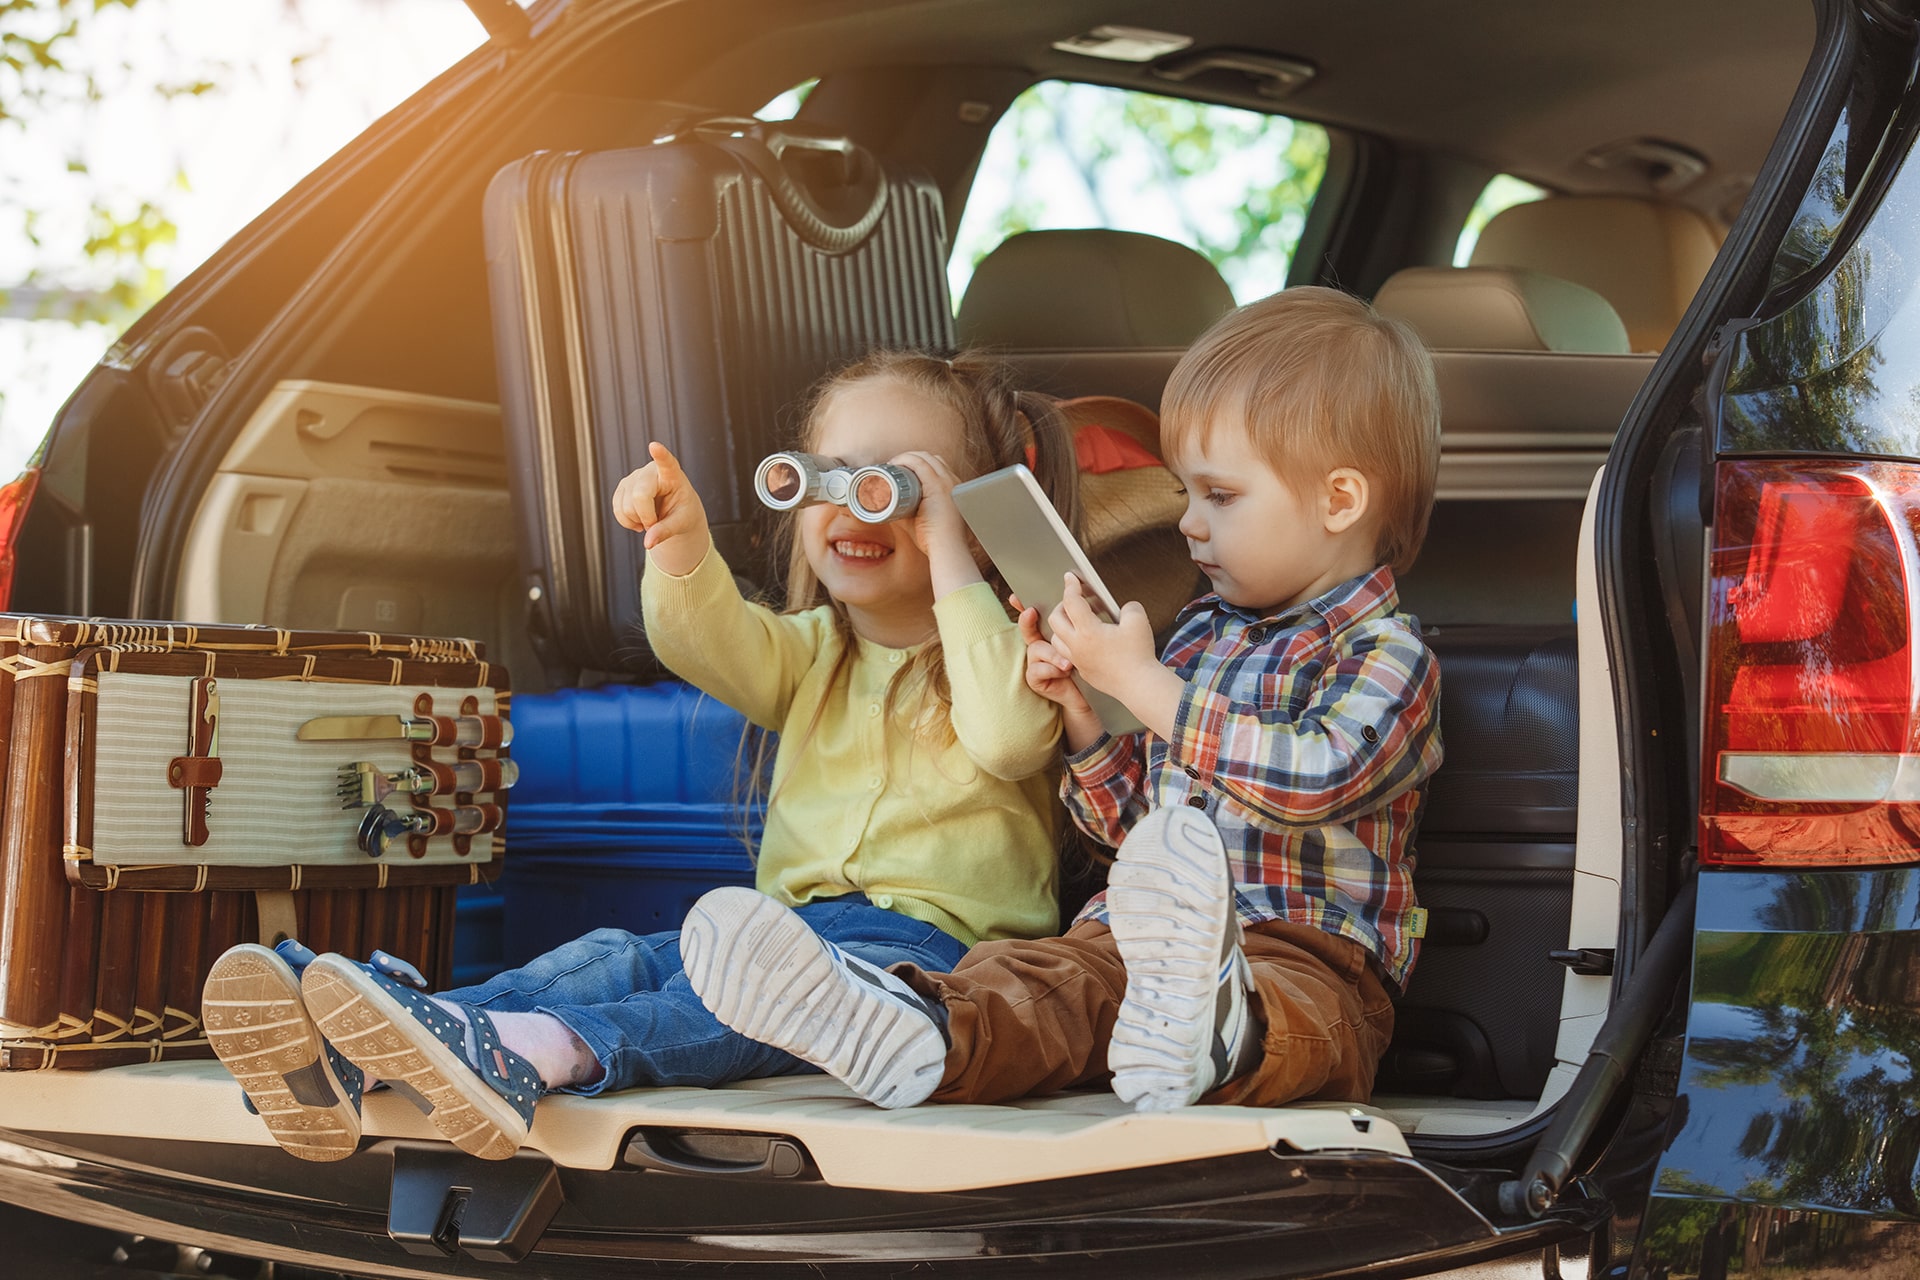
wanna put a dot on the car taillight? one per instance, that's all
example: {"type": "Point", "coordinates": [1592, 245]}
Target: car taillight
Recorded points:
{"type": "Point", "coordinates": [14, 498]}
{"type": "Point", "coordinates": [1812, 742]}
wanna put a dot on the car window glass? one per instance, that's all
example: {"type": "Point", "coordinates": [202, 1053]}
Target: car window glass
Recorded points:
{"type": "Point", "coordinates": [1504, 192]}
{"type": "Point", "coordinates": [1234, 184]}
{"type": "Point", "coordinates": [1816, 223]}
{"type": "Point", "coordinates": [1838, 369]}
{"type": "Point", "coordinates": [785, 106]}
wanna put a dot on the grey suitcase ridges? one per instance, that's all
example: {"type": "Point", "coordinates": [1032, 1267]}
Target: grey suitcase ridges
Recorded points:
{"type": "Point", "coordinates": [536, 379]}
{"type": "Point", "coordinates": [688, 310]}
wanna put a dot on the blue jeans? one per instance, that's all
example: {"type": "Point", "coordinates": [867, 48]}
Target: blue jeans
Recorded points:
{"type": "Point", "coordinates": [626, 997]}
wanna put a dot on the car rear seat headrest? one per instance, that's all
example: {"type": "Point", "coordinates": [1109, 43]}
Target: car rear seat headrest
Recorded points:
{"type": "Point", "coordinates": [1646, 257]}
{"type": "Point", "coordinates": [1090, 289]}
{"type": "Point", "coordinates": [1500, 309]}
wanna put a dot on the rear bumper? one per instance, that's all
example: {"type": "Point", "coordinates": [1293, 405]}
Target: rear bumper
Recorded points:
{"type": "Point", "coordinates": [1798, 1110]}
{"type": "Point", "coordinates": [1267, 1214]}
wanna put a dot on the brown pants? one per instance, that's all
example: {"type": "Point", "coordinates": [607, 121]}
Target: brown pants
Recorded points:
{"type": "Point", "coordinates": [1031, 1018]}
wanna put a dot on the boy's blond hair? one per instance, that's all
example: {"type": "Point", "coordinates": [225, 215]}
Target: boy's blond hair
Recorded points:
{"type": "Point", "coordinates": [1322, 381]}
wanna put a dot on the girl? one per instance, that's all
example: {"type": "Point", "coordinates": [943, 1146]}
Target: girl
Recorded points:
{"type": "Point", "coordinates": [911, 812]}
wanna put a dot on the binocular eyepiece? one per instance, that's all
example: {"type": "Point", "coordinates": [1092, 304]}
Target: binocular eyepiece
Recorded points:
{"type": "Point", "coordinates": [874, 494]}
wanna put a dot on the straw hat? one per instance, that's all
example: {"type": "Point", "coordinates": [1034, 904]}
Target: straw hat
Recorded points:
{"type": "Point", "coordinates": [1131, 506]}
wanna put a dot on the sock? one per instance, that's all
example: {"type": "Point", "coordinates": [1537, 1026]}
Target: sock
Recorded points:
{"type": "Point", "coordinates": [560, 1057]}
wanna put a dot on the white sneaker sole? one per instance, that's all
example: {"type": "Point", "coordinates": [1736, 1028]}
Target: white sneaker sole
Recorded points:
{"type": "Point", "coordinates": [1170, 905]}
{"type": "Point", "coordinates": [376, 1033]}
{"type": "Point", "coordinates": [761, 971]}
{"type": "Point", "coordinates": [260, 1030]}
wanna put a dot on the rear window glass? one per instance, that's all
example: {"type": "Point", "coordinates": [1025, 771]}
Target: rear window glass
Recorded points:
{"type": "Point", "coordinates": [1235, 185]}
{"type": "Point", "coordinates": [787, 105]}
{"type": "Point", "coordinates": [1504, 192]}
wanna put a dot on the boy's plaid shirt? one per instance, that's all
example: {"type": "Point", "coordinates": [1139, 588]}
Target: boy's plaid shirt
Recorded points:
{"type": "Point", "coordinates": [1307, 737]}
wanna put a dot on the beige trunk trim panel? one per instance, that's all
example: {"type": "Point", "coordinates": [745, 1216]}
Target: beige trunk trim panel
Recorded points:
{"type": "Point", "coordinates": [1595, 921]}
{"type": "Point", "coordinates": [929, 1148]}
{"type": "Point", "coordinates": [362, 509]}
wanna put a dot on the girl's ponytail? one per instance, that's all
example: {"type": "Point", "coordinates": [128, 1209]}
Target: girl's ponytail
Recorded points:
{"type": "Point", "coordinates": [1053, 461]}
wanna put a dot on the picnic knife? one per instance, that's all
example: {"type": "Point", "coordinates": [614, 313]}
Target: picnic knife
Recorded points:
{"type": "Point", "coordinates": [435, 731]}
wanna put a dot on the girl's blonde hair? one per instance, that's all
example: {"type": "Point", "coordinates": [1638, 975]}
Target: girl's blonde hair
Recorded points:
{"type": "Point", "coordinates": [1000, 426]}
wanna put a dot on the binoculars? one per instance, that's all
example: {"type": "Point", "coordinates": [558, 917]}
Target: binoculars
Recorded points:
{"type": "Point", "coordinates": [875, 494]}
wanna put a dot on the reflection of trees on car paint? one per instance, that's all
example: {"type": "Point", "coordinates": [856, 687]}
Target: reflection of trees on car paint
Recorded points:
{"type": "Point", "coordinates": [1234, 184]}
{"type": "Point", "coordinates": [1715, 1239]}
{"type": "Point", "coordinates": [1801, 1053]}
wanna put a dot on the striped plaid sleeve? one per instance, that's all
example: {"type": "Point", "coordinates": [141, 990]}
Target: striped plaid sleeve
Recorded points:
{"type": "Point", "coordinates": [1104, 786]}
{"type": "Point", "coordinates": [1368, 731]}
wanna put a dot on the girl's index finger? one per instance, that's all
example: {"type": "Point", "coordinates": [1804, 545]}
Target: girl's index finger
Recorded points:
{"type": "Point", "coordinates": [663, 457]}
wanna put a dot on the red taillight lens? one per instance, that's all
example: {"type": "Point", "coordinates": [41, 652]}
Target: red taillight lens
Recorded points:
{"type": "Point", "coordinates": [14, 498]}
{"type": "Point", "coordinates": [1812, 738]}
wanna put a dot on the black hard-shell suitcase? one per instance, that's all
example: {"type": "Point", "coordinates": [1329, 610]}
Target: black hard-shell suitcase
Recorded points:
{"type": "Point", "coordinates": [686, 292]}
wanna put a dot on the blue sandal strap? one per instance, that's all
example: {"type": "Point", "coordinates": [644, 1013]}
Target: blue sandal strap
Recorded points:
{"type": "Point", "coordinates": [504, 1071]}
{"type": "Point", "coordinates": [510, 1075]}
{"type": "Point", "coordinates": [298, 956]}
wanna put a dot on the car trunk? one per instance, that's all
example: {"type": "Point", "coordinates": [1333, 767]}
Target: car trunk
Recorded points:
{"type": "Point", "coordinates": [797, 1169]}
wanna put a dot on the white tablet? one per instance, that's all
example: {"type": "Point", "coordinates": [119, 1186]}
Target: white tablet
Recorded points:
{"type": "Point", "coordinates": [1030, 545]}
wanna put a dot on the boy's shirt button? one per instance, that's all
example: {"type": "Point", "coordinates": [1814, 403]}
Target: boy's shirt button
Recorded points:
{"type": "Point", "coordinates": [1191, 771]}
{"type": "Point", "coordinates": [1197, 801]}
{"type": "Point", "coordinates": [1369, 733]}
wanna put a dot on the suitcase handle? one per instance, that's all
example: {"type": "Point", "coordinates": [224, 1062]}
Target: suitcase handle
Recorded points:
{"type": "Point", "coordinates": [833, 219]}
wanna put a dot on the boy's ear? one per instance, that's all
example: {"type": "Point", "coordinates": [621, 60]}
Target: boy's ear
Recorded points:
{"type": "Point", "coordinates": [1347, 495]}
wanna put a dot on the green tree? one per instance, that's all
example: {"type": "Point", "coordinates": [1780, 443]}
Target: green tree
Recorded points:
{"type": "Point", "coordinates": [1236, 185]}
{"type": "Point", "coordinates": [42, 76]}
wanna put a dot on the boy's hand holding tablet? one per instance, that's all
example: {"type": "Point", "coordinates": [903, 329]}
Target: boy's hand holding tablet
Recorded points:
{"type": "Point", "coordinates": [1117, 658]}
{"type": "Point", "coordinates": [1084, 651]}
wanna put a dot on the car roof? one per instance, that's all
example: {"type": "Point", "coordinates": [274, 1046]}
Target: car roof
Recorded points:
{"type": "Point", "coordinates": [1518, 86]}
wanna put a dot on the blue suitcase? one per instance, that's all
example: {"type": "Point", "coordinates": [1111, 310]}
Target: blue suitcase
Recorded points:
{"type": "Point", "coordinates": [624, 815]}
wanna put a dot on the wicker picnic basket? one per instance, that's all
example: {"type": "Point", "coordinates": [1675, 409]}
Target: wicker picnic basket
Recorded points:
{"type": "Point", "coordinates": [159, 803]}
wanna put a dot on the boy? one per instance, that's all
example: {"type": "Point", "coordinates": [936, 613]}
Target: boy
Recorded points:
{"type": "Point", "coordinates": [1263, 819]}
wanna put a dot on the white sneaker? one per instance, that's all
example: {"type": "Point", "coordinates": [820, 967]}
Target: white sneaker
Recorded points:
{"type": "Point", "coordinates": [1185, 1025]}
{"type": "Point", "coordinates": [763, 972]}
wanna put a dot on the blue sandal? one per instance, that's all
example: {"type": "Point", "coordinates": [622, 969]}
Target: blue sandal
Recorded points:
{"type": "Point", "coordinates": [305, 1092]}
{"type": "Point", "coordinates": [409, 1042]}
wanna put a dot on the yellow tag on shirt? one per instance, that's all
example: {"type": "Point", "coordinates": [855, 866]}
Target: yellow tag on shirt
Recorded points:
{"type": "Point", "coordinates": [1417, 923]}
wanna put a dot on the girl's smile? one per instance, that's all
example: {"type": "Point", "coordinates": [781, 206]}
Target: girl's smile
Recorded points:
{"type": "Point", "coordinates": [877, 571]}
{"type": "Point", "coordinates": [860, 549]}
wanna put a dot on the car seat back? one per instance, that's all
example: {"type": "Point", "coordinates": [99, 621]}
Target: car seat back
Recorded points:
{"type": "Point", "coordinates": [1534, 378]}
{"type": "Point", "coordinates": [1091, 312]}
{"type": "Point", "coordinates": [1646, 257]}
